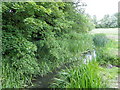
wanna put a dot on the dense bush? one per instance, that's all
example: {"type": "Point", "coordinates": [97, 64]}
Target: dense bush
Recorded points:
{"type": "Point", "coordinates": [100, 40]}
{"type": "Point", "coordinates": [108, 54]}
{"type": "Point", "coordinates": [37, 36]}
{"type": "Point", "coordinates": [105, 58]}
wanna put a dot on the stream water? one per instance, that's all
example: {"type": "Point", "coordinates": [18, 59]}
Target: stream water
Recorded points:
{"type": "Point", "coordinates": [45, 81]}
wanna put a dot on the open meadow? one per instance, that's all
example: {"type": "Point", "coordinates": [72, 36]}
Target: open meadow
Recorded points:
{"type": "Point", "coordinates": [111, 33]}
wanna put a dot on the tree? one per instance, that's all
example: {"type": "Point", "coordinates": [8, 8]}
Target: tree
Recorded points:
{"type": "Point", "coordinates": [117, 15]}
{"type": "Point", "coordinates": [106, 22]}
{"type": "Point", "coordinates": [94, 19]}
{"type": "Point", "coordinates": [36, 34]}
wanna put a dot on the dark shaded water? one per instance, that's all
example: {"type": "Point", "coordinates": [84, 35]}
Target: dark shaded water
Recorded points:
{"type": "Point", "coordinates": [45, 81]}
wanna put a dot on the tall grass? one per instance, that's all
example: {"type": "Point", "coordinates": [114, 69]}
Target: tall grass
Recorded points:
{"type": "Point", "coordinates": [83, 76]}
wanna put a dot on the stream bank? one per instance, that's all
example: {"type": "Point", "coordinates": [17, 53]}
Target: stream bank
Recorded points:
{"type": "Point", "coordinates": [44, 82]}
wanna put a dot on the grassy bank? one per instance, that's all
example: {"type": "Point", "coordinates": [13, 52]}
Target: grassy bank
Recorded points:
{"type": "Point", "coordinates": [98, 74]}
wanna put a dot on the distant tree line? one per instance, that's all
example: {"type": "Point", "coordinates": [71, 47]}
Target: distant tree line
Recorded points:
{"type": "Point", "coordinates": [108, 21]}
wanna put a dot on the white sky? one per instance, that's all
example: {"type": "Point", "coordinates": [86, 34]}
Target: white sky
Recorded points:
{"type": "Point", "coordinates": [101, 7]}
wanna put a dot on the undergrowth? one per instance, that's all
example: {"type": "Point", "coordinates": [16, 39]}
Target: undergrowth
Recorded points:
{"type": "Point", "coordinates": [107, 50]}
{"type": "Point", "coordinates": [81, 76]}
{"type": "Point", "coordinates": [38, 37]}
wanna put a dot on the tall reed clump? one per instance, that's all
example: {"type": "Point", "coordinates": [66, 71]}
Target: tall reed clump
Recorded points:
{"type": "Point", "coordinates": [83, 76]}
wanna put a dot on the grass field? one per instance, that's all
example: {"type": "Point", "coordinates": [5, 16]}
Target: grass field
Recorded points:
{"type": "Point", "coordinates": [111, 33]}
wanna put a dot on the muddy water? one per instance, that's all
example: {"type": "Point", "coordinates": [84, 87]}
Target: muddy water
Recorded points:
{"type": "Point", "coordinates": [44, 82]}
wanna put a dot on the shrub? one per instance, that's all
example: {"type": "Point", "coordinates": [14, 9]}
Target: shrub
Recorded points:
{"type": "Point", "coordinates": [104, 57]}
{"type": "Point", "coordinates": [19, 62]}
{"type": "Point", "coordinates": [108, 54]}
{"type": "Point", "coordinates": [100, 40]}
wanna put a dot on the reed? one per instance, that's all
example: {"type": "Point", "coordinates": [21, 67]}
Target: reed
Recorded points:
{"type": "Point", "coordinates": [83, 76]}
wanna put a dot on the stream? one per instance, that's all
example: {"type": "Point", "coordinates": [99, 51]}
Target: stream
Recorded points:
{"type": "Point", "coordinates": [45, 81]}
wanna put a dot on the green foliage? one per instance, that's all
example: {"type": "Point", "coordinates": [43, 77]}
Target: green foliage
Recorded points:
{"type": "Point", "coordinates": [118, 18]}
{"type": "Point", "coordinates": [72, 44]}
{"type": "Point", "coordinates": [104, 48]}
{"type": "Point", "coordinates": [107, 55]}
{"type": "Point", "coordinates": [38, 35]}
{"type": "Point", "coordinates": [104, 57]}
{"type": "Point", "coordinates": [107, 21]}
{"type": "Point", "coordinates": [100, 40]}
{"type": "Point", "coordinates": [83, 76]}
{"type": "Point", "coordinates": [19, 61]}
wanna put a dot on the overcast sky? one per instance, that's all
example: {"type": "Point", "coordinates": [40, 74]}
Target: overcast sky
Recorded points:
{"type": "Point", "coordinates": [101, 7]}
